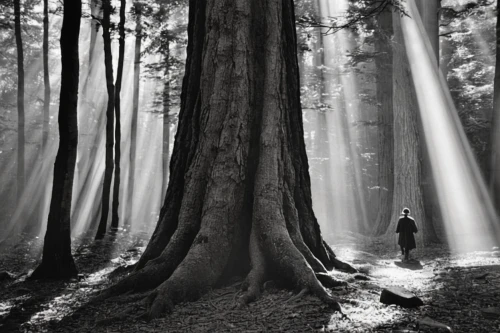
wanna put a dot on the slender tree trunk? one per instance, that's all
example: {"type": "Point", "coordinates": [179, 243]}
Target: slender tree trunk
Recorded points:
{"type": "Point", "coordinates": [20, 100]}
{"type": "Point", "coordinates": [495, 126]}
{"type": "Point", "coordinates": [240, 190]}
{"type": "Point", "coordinates": [108, 169]}
{"type": "Point", "coordinates": [46, 79]}
{"type": "Point", "coordinates": [166, 125]}
{"type": "Point", "coordinates": [57, 261]}
{"type": "Point", "coordinates": [135, 109]}
{"type": "Point", "coordinates": [407, 159]}
{"type": "Point", "coordinates": [118, 133]}
{"type": "Point", "coordinates": [383, 63]}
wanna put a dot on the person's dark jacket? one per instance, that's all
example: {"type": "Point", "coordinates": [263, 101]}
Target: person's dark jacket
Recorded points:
{"type": "Point", "coordinates": [406, 228]}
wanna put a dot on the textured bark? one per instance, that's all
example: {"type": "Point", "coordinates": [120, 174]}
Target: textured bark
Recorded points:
{"type": "Point", "coordinates": [383, 63]}
{"type": "Point", "coordinates": [108, 169]}
{"type": "Point", "coordinates": [495, 126]}
{"type": "Point", "coordinates": [57, 261]}
{"type": "Point", "coordinates": [166, 124]}
{"type": "Point", "coordinates": [46, 80]}
{"type": "Point", "coordinates": [239, 196]}
{"type": "Point", "coordinates": [135, 109]}
{"type": "Point", "coordinates": [407, 159]}
{"type": "Point", "coordinates": [20, 99]}
{"type": "Point", "coordinates": [115, 219]}
{"type": "Point", "coordinates": [429, 13]}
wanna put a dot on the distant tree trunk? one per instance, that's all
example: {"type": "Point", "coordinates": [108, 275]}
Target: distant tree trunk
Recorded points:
{"type": "Point", "coordinates": [429, 13]}
{"type": "Point", "coordinates": [495, 126]}
{"type": "Point", "coordinates": [20, 99]}
{"type": "Point", "coordinates": [110, 121]}
{"type": "Point", "coordinates": [135, 109]}
{"type": "Point", "coordinates": [383, 62]}
{"type": "Point", "coordinates": [240, 195]}
{"type": "Point", "coordinates": [166, 124]}
{"type": "Point", "coordinates": [118, 133]}
{"type": "Point", "coordinates": [57, 261]}
{"type": "Point", "coordinates": [407, 159]}
{"type": "Point", "coordinates": [46, 79]}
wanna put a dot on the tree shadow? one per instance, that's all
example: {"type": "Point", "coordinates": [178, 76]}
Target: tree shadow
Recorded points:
{"type": "Point", "coordinates": [27, 299]}
{"type": "Point", "coordinates": [413, 264]}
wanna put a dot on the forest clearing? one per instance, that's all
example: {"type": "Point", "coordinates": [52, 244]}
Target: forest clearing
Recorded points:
{"type": "Point", "coordinates": [249, 166]}
{"type": "Point", "coordinates": [457, 292]}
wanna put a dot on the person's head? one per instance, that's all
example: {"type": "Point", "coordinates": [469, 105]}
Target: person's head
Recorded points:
{"type": "Point", "coordinates": [406, 211]}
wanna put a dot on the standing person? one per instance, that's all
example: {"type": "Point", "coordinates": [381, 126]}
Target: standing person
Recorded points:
{"type": "Point", "coordinates": [406, 228]}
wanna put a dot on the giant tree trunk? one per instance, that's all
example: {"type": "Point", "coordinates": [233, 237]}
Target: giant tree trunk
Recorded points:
{"type": "Point", "coordinates": [407, 159]}
{"type": "Point", "coordinates": [108, 169]}
{"type": "Point", "coordinates": [57, 261]}
{"type": "Point", "coordinates": [46, 80]}
{"type": "Point", "coordinates": [166, 125]}
{"type": "Point", "coordinates": [239, 188]}
{"type": "Point", "coordinates": [20, 99]}
{"type": "Point", "coordinates": [385, 177]}
{"type": "Point", "coordinates": [495, 126]}
{"type": "Point", "coordinates": [118, 133]}
{"type": "Point", "coordinates": [135, 110]}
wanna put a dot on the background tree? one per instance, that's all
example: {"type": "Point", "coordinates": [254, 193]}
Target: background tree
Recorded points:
{"type": "Point", "coordinates": [20, 99]}
{"type": "Point", "coordinates": [46, 79]}
{"type": "Point", "coordinates": [137, 11]}
{"type": "Point", "coordinates": [383, 62]}
{"type": "Point", "coordinates": [495, 133]}
{"type": "Point", "coordinates": [239, 185]}
{"type": "Point", "coordinates": [110, 119]}
{"type": "Point", "coordinates": [407, 159]}
{"type": "Point", "coordinates": [57, 261]}
{"type": "Point", "coordinates": [118, 86]}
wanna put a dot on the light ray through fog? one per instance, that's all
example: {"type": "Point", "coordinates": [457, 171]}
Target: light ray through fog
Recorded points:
{"type": "Point", "coordinates": [335, 169]}
{"type": "Point", "coordinates": [468, 214]}
{"type": "Point", "coordinates": [31, 213]}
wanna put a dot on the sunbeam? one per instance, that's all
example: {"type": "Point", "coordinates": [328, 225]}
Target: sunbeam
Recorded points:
{"type": "Point", "coordinates": [466, 207]}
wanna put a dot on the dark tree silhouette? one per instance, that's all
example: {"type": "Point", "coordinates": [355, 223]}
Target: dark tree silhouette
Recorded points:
{"type": "Point", "coordinates": [20, 99]}
{"type": "Point", "coordinates": [135, 108]}
{"type": "Point", "coordinates": [57, 261]}
{"type": "Point", "coordinates": [110, 119]}
{"type": "Point", "coordinates": [115, 219]}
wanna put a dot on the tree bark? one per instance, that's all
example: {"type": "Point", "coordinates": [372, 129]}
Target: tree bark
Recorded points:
{"type": "Point", "coordinates": [135, 109]}
{"type": "Point", "coordinates": [166, 124]}
{"type": "Point", "coordinates": [495, 127]}
{"type": "Point", "coordinates": [429, 13]}
{"type": "Point", "coordinates": [118, 86]}
{"type": "Point", "coordinates": [20, 100]}
{"type": "Point", "coordinates": [46, 80]}
{"type": "Point", "coordinates": [57, 261]}
{"type": "Point", "coordinates": [108, 169]}
{"type": "Point", "coordinates": [407, 159]}
{"type": "Point", "coordinates": [383, 62]}
{"type": "Point", "coordinates": [240, 191]}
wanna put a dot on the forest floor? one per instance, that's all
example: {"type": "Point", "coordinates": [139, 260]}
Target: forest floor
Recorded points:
{"type": "Point", "coordinates": [458, 291]}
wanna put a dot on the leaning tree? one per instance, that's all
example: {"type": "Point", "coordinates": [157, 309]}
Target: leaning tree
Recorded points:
{"type": "Point", "coordinates": [239, 197]}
